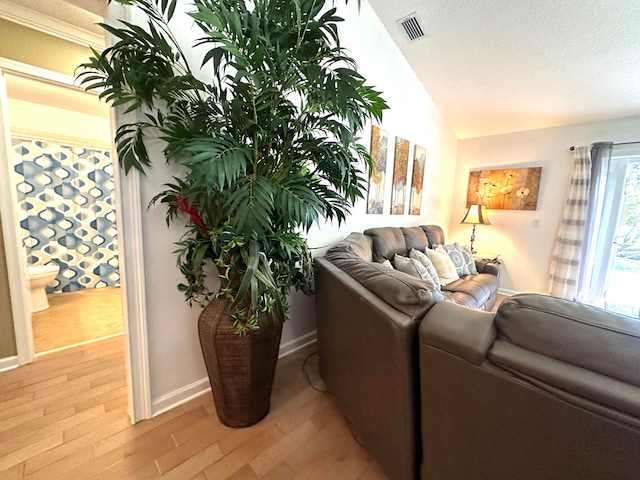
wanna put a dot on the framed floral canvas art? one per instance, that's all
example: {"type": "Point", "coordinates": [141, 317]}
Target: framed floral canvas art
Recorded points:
{"type": "Point", "coordinates": [508, 189]}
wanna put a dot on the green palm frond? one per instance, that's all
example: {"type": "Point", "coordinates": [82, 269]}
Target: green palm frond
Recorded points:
{"type": "Point", "coordinates": [263, 127]}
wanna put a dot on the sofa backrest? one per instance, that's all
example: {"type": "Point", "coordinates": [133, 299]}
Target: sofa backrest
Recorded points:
{"type": "Point", "coordinates": [414, 237]}
{"type": "Point", "coordinates": [410, 295]}
{"type": "Point", "coordinates": [389, 241]}
{"type": "Point", "coordinates": [355, 243]}
{"type": "Point", "coordinates": [434, 234]}
{"type": "Point", "coordinates": [571, 347]}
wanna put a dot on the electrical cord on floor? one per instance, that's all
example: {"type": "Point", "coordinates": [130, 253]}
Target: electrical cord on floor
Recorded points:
{"type": "Point", "coordinates": [324, 390]}
{"type": "Point", "coordinates": [306, 374]}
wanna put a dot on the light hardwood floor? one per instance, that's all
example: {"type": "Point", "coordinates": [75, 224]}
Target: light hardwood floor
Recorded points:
{"type": "Point", "coordinates": [64, 417]}
{"type": "Point", "coordinates": [77, 317]}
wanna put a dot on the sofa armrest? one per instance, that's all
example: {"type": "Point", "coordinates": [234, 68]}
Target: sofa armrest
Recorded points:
{"type": "Point", "coordinates": [484, 267]}
{"type": "Point", "coordinates": [368, 354]}
{"type": "Point", "coordinates": [458, 330]}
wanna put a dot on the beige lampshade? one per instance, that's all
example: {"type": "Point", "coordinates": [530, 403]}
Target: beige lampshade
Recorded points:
{"type": "Point", "coordinates": [476, 215]}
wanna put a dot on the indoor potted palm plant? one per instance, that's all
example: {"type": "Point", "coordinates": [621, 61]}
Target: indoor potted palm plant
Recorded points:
{"type": "Point", "coordinates": [264, 127]}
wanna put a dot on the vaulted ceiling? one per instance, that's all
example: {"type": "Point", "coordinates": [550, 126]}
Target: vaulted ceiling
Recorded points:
{"type": "Point", "coordinates": [496, 66]}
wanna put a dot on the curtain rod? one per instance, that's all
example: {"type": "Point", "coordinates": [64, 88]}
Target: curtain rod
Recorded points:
{"type": "Point", "coordinates": [572, 147]}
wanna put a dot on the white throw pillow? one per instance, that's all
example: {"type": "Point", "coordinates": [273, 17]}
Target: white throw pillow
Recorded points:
{"type": "Point", "coordinates": [387, 264]}
{"type": "Point", "coordinates": [444, 266]}
{"type": "Point", "coordinates": [457, 257]}
{"type": "Point", "coordinates": [426, 263]}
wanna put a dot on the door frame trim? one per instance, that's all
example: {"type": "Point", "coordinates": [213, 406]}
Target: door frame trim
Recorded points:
{"type": "Point", "coordinates": [130, 252]}
{"type": "Point", "coordinates": [16, 267]}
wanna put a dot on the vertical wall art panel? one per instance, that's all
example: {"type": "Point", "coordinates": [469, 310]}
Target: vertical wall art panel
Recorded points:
{"type": "Point", "coordinates": [379, 146]}
{"type": "Point", "coordinates": [508, 189]}
{"type": "Point", "coordinates": [67, 212]}
{"type": "Point", "coordinates": [417, 177]}
{"type": "Point", "coordinates": [400, 170]}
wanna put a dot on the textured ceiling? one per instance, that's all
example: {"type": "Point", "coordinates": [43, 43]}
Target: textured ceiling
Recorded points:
{"type": "Point", "coordinates": [497, 66]}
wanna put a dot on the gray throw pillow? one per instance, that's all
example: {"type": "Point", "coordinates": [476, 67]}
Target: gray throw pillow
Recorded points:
{"type": "Point", "coordinates": [414, 268]}
{"type": "Point", "coordinates": [457, 257]}
{"type": "Point", "coordinates": [468, 257]}
{"type": "Point", "coordinates": [404, 264]}
{"type": "Point", "coordinates": [422, 258]}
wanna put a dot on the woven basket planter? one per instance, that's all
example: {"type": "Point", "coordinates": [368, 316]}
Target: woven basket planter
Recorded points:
{"type": "Point", "coordinates": [240, 368]}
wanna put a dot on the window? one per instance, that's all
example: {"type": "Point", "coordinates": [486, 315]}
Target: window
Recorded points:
{"type": "Point", "coordinates": [612, 256]}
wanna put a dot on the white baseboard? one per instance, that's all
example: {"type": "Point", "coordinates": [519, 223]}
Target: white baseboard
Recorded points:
{"type": "Point", "coordinates": [296, 344]}
{"type": "Point", "coordinates": [8, 363]}
{"type": "Point", "coordinates": [202, 386]}
{"type": "Point", "coordinates": [507, 293]}
{"type": "Point", "coordinates": [180, 396]}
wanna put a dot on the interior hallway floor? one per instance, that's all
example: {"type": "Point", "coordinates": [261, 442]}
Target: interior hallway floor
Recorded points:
{"type": "Point", "coordinates": [77, 317]}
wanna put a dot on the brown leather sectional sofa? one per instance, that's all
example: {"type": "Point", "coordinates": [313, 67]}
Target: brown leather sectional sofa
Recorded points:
{"type": "Point", "coordinates": [544, 389]}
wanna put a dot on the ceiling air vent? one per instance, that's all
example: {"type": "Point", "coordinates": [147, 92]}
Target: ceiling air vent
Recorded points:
{"type": "Point", "coordinates": [411, 27]}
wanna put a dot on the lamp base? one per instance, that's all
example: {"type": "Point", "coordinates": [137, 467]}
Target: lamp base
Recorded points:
{"type": "Point", "coordinates": [473, 238]}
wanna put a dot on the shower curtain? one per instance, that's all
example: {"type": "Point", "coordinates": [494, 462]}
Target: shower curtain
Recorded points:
{"type": "Point", "coordinates": [66, 208]}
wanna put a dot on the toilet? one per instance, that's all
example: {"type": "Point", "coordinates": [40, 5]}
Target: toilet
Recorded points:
{"type": "Point", "coordinates": [39, 277]}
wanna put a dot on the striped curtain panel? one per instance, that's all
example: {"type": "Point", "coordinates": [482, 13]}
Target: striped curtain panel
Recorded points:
{"type": "Point", "coordinates": [567, 252]}
{"type": "Point", "coordinates": [592, 276]}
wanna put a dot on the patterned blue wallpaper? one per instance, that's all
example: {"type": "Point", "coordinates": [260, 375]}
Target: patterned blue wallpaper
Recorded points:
{"type": "Point", "coordinates": [67, 216]}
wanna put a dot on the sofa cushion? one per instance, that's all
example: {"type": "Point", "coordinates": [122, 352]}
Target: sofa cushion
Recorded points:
{"type": "Point", "coordinates": [356, 243]}
{"type": "Point", "coordinates": [457, 257]}
{"type": "Point", "coordinates": [580, 335]}
{"type": "Point", "coordinates": [414, 238]}
{"type": "Point", "coordinates": [480, 287]}
{"type": "Point", "coordinates": [446, 269]}
{"type": "Point", "coordinates": [412, 296]}
{"type": "Point", "coordinates": [461, 298]}
{"type": "Point", "coordinates": [387, 241]}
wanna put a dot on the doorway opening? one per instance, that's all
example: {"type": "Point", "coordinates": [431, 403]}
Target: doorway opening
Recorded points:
{"type": "Point", "coordinates": [63, 171]}
{"type": "Point", "coordinates": [62, 21]}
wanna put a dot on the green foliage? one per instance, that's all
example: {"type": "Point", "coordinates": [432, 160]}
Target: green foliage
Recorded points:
{"type": "Point", "coordinates": [268, 142]}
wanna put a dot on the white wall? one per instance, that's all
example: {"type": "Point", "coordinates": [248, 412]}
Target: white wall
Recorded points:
{"type": "Point", "coordinates": [412, 115]}
{"type": "Point", "coordinates": [177, 369]}
{"type": "Point", "coordinates": [56, 111]}
{"type": "Point", "coordinates": [526, 251]}
{"type": "Point", "coordinates": [59, 123]}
